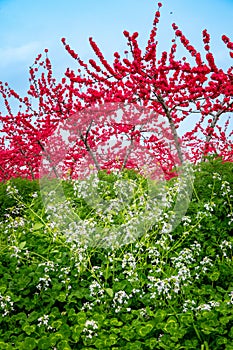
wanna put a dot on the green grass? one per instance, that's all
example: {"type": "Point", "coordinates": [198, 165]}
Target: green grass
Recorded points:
{"type": "Point", "coordinates": [86, 273]}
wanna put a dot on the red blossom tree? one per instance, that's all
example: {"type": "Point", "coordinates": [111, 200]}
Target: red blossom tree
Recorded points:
{"type": "Point", "coordinates": [153, 93]}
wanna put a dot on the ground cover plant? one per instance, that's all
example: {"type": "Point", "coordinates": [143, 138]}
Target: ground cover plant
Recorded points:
{"type": "Point", "coordinates": [165, 290]}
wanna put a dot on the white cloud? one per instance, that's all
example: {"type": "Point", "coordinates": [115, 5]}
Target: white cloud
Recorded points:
{"type": "Point", "coordinates": [14, 55]}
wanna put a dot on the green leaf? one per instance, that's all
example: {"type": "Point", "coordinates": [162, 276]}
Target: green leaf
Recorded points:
{"type": "Point", "coordinates": [76, 332]}
{"type": "Point", "coordinates": [144, 330]}
{"type": "Point", "coordinates": [171, 326]}
{"type": "Point", "coordinates": [225, 319]}
{"type": "Point", "coordinates": [230, 334]}
{"type": "Point", "coordinates": [151, 343]}
{"type": "Point", "coordinates": [3, 345]}
{"type": "Point", "coordinates": [186, 319]}
{"type": "Point", "coordinates": [61, 297]}
{"type": "Point", "coordinates": [64, 345]}
{"type": "Point", "coordinates": [221, 340]}
{"type": "Point", "coordinates": [71, 312]}
{"type": "Point", "coordinates": [28, 329]}
{"type": "Point", "coordinates": [81, 317]}
{"type": "Point", "coordinates": [3, 288]}
{"type": "Point", "coordinates": [21, 316]}
{"type": "Point", "coordinates": [22, 245]}
{"type": "Point", "coordinates": [29, 343]}
{"type": "Point", "coordinates": [99, 344]}
{"type": "Point", "coordinates": [160, 315]}
{"type": "Point", "coordinates": [65, 330]}
{"type": "Point", "coordinates": [55, 337]}
{"type": "Point", "coordinates": [149, 312]}
{"type": "Point", "coordinates": [109, 291]}
{"type": "Point", "coordinates": [214, 276]}
{"type": "Point", "coordinates": [111, 340]}
{"type": "Point", "coordinates": [127, 333]}
{"type": "Point", "coordinates": [57, 324]}
{"type": "Point", "coordinates": [44, 343]}
{"type": "Point", "coordinates": [115, 322]}
{"type": "Point", "coordinates": [37, 226]}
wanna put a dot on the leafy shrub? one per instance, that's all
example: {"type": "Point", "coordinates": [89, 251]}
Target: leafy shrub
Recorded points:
{"type": "Point", "coordinates": [166, 290]}
{"type": "Point", "coordinates": [24, 187]}
{"type": "Point", "coordinates": [213, 189]}
{"type": "Point", "coordinates": [205, 180]}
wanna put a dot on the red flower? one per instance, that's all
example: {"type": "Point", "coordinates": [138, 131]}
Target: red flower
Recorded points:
{"type": "Point", "coordinates": [178, 32]}
{"type": "Point", "coordinates": [230, 45]}
{"type": "Point", "coordinates": [166, 84]}
{"type": "Point", "coordinates": [206, 37]}
{"type": "Point", "coordinates": [225, 39]}
{"type": "Point", "coordinates": [126, 33]}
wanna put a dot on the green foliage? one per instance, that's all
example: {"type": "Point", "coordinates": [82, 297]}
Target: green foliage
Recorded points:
{"type": "Point", "coordinates": [25, 188]}
{"type": "Point", "coordinates": [166, 290]}
{"type": "Point", "coordinates": [204, 180]}
{"type": "Point", "coordinates": [213, 189]}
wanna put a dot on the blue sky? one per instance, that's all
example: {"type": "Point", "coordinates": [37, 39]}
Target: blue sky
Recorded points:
{"type": "Point", "coordinates": [28, 27]}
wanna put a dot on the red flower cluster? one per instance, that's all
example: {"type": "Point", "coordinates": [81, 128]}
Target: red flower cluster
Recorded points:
{"type": "Point", "coordinates": [170, 89]}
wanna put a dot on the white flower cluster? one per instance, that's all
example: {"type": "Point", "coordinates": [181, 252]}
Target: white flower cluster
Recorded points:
{"type": "Point", "coordinates": [120, 300]}
{"type": "Point", "coordinates": [185, 265]}
{"type": "Point", "coordinates": [11, 190]}
{"type": "Point", "coordinates": [207, 306]}
{"type": "Point", "coordinates": [44, 282]}
{"type": "Point", "coordinates": [231, 298]}
{"type": "Point", "coordinates": [6, 305]}
{"type": "Point", "coordinates": [43, 321]}
{"type": "Point", "coordinates": [226, 188]}
{"type": "Point", "coordinates": [65, 271]}
{"type": "Point", "coordinates": [226, 247]}
{"type": "Point", "coordinates": [130, 267]}
{"type": "Point", "coordinates": [89, 329]}
{"type": "Point", "coordinates": [167, 285]}
{"type": "Point", "coordinates": [191, 305]}
{"type": "Point", "coordinates": [210, 206]}
{"type": "Point", "coordinates": [87, 306]}
{"type": "Point", "coordinates": [17, 250]}
{"type": "Point", "coordinates": [49, 266]}
{"type": "Point", "coordinates": [96, 290]}
{"type": "Point", "coordinates": [230, 216]}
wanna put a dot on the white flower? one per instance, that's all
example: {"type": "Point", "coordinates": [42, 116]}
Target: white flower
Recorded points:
{"type": "Point", "coordinates": [43, 320]}
{"type": "Point", "coordinates": [119, 299]}
{"type": "Point", "coordinates": [96, 289]}
{"type": "Point", "coordinates": [90, 326]}
{"type": "Point", "coordinates": [231, 296]}
{"type": "Point", "coordinates": [204, 307]}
